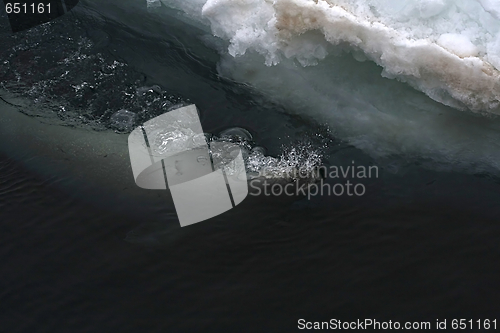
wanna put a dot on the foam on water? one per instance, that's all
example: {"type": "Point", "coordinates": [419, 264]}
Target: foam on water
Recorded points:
{"type": "Point", "coordinates": [304, 155]}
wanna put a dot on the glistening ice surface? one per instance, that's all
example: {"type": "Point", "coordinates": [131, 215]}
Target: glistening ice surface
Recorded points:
{"type": "Point", "coordinates": [447, 49]}
{"type": "Point", "coordinates": [339, 62]}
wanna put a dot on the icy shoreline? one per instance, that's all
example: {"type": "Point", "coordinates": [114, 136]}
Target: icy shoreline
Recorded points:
{"type": "Point", "coordinates": [448, 50]}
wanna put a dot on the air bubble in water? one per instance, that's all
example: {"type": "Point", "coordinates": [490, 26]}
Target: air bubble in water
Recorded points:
{"type": "Point", "coordinates": [123, 120]}
{"type": "Point", "coordinates": [141, 91]}
{"type": "Point", "coordinates": [153, 4]}
{"type": "Point", "coordinates": [259, 150]}
{"type": "Point", "coordinates": [202, 159]}
{"type": "Point", "coordinates": [237, 132]}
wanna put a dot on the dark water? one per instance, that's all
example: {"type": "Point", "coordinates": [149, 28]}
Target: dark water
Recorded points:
{"type": "Point", "coordinates": [66, 265]}
{"type": "Point", "coordinates": [420, 245]}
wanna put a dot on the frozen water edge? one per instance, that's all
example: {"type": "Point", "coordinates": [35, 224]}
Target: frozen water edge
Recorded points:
{"type": "Point", "coordinates": [381, 117]}
{"type": "Point", "coordinates": [448, 50]}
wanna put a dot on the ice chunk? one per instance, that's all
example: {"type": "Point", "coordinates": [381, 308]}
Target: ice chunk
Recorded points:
{"type": "Point", "coordinates": [430, 8]}
{"type": "Point", "coordinates": [458, 44]}
{"type": "Point", "coordinates": [492, 7]}
{"type": "Point", "coordinates": [494, 53]}
{"type": "Point", "coordinates": [410, 39]}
